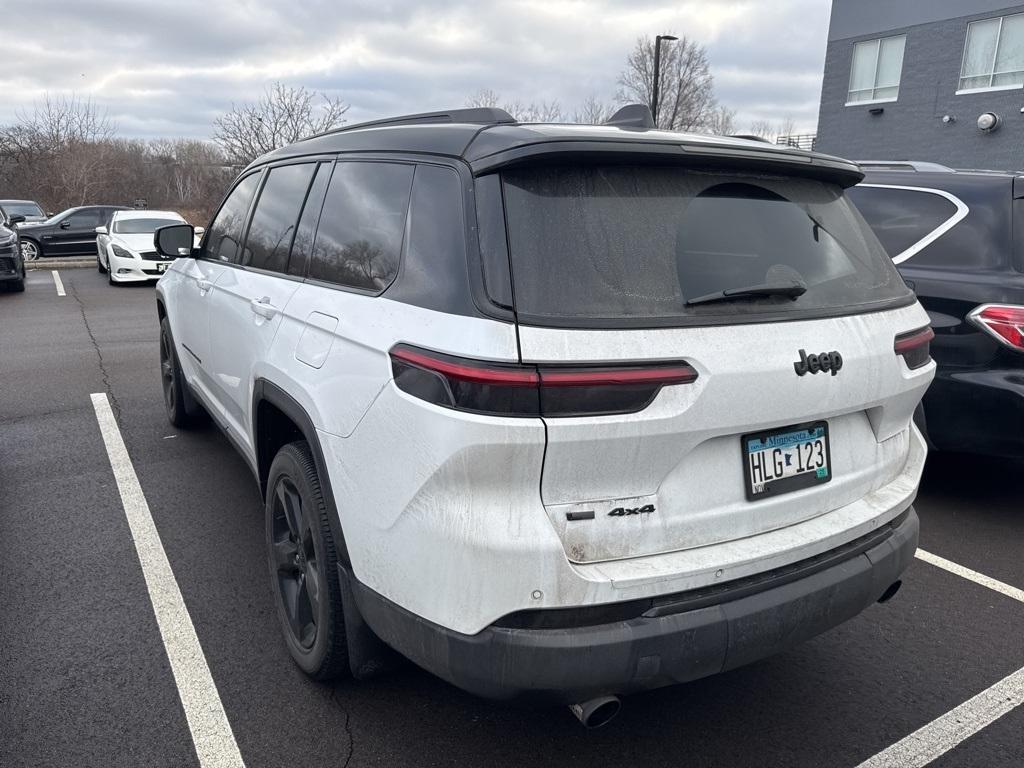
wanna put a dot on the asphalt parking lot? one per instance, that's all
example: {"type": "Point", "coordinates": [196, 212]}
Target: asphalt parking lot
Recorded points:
{"type": "Point", "coordinates": [85, 678]}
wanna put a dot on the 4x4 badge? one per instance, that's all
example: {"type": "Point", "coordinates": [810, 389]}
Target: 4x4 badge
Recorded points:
{"type": "Point", "coordinates": [646, 509]}
{"type": "Point", "coordinates": [823, 361]}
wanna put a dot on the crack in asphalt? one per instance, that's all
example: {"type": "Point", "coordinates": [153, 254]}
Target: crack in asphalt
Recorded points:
{"type": "Point", "coordinates": [345, 725]}
{"type": "Point", "coordinates": [104, 374]}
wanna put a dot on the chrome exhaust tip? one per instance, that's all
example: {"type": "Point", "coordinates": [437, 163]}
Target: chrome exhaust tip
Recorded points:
{"type": "Point", "coordinates": [597, 712]}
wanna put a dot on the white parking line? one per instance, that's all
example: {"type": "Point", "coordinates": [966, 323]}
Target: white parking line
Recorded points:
{"type": "Point", "coordinates": [57, 282]}
{"type": "Point", "coordinates": [211, 732]}
{"type": "Point", "coordinates": [967, 573]}
{"type": "Point", "coordinates": [944, 733]}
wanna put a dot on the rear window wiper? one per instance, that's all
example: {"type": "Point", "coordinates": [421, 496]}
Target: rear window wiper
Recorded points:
{"type": "Point", "coordinates": [791, 290]}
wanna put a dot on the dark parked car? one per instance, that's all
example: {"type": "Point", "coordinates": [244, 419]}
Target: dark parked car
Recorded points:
{"type": "Point", "coordinates": [30, 209]}
{"type": "Point", "coordinates": [958, 239]}
{"type": "Point", "coordinates": [69, 233]}
{"type": "Point", "coordinates": [12, 266]}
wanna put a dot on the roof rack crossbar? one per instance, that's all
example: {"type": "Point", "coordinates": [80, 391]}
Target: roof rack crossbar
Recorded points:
{"type": "Point", "coordinates": [481, 115]}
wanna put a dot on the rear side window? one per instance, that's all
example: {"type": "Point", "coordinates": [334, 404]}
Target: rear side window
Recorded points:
{"type": "Point", "coordinates": [303, 244]}
{"type": "Point", "coordinates": [613, 243]}
{"type": "Point", "coordinates": [901, 217]}
{"type": "Point", "coordinates": [223, 242]}
{"type": "Point", "coordinates": [276, 215]}
{"type": "Point", "coordinates": [362, 224]}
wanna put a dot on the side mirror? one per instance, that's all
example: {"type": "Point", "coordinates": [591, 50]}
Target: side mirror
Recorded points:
{"type": "Point", "coordinates": [15, 219]}
{"type": "Point", "coordinates": [101, 230]}
{"type": "Point", "coordinates": [175, 240]}
{"type": "Point", "coordinates": [200, 231]}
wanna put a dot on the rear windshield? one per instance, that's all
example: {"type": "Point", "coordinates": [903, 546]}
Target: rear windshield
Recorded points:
{"type": "Point", "coordinates": [638, 242]}
{"type": "Point", "coordinates": [22, 209]}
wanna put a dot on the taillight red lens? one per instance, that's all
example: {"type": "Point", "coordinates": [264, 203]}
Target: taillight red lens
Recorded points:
{"type": "Point", "coordinates": [530, 390]}
{"type": "Point", "coordinates": [1003, 321]}
{"type": "Point", "coordinates": [915, 346]}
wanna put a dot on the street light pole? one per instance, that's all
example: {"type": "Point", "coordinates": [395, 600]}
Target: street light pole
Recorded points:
{"type": "Point", "coordinates": [657, 74]}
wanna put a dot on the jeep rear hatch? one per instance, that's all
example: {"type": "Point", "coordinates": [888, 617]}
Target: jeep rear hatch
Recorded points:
{"type": "Point", "coordinates": [607, 262]}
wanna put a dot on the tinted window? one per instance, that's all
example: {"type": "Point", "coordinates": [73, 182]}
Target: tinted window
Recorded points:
{"type": "Point", "coordinates": [142, 226]}
{"type": "Point", "coordinates": [84, 219]}
{"type": "Point", "coordinates": [639, 242]}
{"type": "Point", "coordinates": [277, 212]}
{"type": "Point", "coordinates": [22, 209]}
{"type": "Point", "coordinates": [303, 244]}
{"type": "Point", "coordinates": [433, 273]}
{"type": "Point", "coordinates": [359, 239]}
{"type": "Point", "coordinates": [901, 217]}
{"type": "Point", "coordinates": [493, 245]}
{"type": "Point", "coordinates": [225, 235]}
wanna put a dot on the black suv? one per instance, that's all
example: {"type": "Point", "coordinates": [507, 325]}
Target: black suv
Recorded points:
{"type": "Point", "coordinates": [958, 239]}
{"type": "Point", "coordinates": [69, 233]}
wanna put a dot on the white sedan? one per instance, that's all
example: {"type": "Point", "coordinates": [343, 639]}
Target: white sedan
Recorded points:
{"type": "Point", "coordinates": [125, 250]}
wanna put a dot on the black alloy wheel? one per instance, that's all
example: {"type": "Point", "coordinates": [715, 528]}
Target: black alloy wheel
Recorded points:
{"type": "Point", "coordinates": [303, 565]}
{"type": "Point", "coordinates": [298, 574]}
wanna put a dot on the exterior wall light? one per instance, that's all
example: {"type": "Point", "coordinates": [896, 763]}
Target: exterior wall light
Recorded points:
{"type": "Point", "coordinates": [988, 121]}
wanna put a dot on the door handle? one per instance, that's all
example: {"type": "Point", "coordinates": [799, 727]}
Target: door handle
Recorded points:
{"type": "Point", "coordinates": [204, 286]}
{"type": "Point", "coordinates": [263, 307]}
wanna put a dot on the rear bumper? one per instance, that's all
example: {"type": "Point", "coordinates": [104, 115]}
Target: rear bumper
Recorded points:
{"type": "Point", "coordinates": [678, 638]}
{"type": "Point", "coordinates": [977, 411]}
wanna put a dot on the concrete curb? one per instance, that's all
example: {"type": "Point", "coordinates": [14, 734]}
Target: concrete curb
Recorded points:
{"type": "Point", "coordinates": [59, 264]}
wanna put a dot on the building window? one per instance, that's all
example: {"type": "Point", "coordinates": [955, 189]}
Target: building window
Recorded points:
{"type": "Point", "coordinates": [875, 75]}
{"type": "Point", "coordinates": [994, 54]}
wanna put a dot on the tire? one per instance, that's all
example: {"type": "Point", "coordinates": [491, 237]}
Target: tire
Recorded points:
{"type": "Point", "coordinates": [99, 266]}
{"type": "Point", "coordinates": [110, 278]}
{"type": "Point", "coordinates": [303, 565]}
{"type": "Point", "coordinates": [18, 286]}
{"type": "Point", "coordinates": [182, 410]}
{"type": "Point", "coordinates": [29, 249]}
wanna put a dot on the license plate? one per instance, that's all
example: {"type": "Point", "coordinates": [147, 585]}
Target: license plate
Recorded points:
{"type": "Point", "coordinates": [783, 460]}
{"type": "Point", "coordinates": [161, 267]}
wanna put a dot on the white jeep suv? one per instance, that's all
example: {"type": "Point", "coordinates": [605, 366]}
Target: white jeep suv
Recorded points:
{"type": "Point", "coordinates": [557, 412]}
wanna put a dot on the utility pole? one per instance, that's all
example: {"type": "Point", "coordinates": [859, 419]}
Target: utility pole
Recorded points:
{"type": "Point", "coordinates": [657, 73]}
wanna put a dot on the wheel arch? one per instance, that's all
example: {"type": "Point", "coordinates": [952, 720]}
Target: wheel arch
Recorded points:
{"type": "Point", "coordinates": [278, 419]}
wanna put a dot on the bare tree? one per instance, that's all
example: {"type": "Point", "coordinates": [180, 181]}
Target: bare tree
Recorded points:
{"type": "Point", "coordinates": [721, 122]}
{"type": "Point", "coordinates": [534, 112]}
{"type": "Point", "coordinates": [687, 96]}
{"type": "Point", "coordinates": [57, 150]}
{"type": "Point", "coordinates": [766, 129]}
{"type": "Point", "coordinates": [593, 111]}
{"type": "Point", "coordinates": [281, 116]}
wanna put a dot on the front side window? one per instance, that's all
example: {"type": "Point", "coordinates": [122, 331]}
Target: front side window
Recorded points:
{"type": "Point", "coordinates": [994, 54]}
{"type": "Point", "coordinates": [224, 240]}
{"type": "Point", "coordinates": [647, 243]}
{"type": "Point", "coordinates": [277, 212]}
{"type": "Point", "coordinates": [875, 74]}
{"type": "Point", "coordinates": [362, 224]}
{"type": "Point", "coordinates": [84, 219]}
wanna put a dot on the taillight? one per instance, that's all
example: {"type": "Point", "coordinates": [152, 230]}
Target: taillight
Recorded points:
{"type": "Point", "coordinates": [915, 346]}
{"type": "Point", "coordinates": [530, 390]}
{"type": "Point", "coordinates": [1005, 322]}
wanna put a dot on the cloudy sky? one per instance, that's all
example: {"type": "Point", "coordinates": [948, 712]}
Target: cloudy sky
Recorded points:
{"type": "Point", "coordinates": [168, 68]}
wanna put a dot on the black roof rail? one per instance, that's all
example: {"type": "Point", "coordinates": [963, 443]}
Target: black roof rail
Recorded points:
{"type": "Point", "coordinates": [480, 115]}
{"type": "Point", "coordinates": [905, 165]}
{"type": "Point", "coordinates": [751, 137]}
{"type": "Point", "coordinates": [633, 116]}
